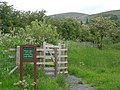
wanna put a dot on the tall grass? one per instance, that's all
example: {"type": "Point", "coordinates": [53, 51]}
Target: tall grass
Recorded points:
{"type": "Point", "coordinates": [99, 68]}
{"type": "Point", "coordinates": [11, 82]}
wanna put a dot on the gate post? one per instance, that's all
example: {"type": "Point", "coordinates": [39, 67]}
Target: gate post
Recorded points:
{"type": "Point", "coordinates": [56, 61]}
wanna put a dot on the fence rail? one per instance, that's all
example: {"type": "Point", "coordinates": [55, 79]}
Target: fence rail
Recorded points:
{"type": "Point", "coordinates": [52, 58]}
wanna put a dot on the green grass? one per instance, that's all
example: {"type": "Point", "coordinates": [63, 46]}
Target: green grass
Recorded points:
{"type": "Point", "coordinates": [99, 68]}
{"type": "Point", "coordinates": [11, 82]}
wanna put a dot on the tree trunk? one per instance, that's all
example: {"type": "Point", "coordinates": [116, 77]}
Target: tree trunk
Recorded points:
{"type": "Point", "coordinates": [101, 42]}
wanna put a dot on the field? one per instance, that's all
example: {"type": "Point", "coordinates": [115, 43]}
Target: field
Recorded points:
{"type": "Point", "coordinates": [99, 68]}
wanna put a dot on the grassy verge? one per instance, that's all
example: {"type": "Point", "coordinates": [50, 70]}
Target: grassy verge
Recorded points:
{"type": "Point", "coordinates": [11, 82]}
{"type": "Point", "coordinates": [99, 68]}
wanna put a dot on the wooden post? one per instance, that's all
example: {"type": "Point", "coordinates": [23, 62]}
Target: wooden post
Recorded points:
{"type": "Point", "coordinates": [44, 53]}
{"type": "Point", "coordinates": [76, 43]}
{"type": "Point", "coordinates": [27, 54]}
{"type": "Point", "coordinates": [18, 56]}
{"type": "Point", "coordinates": [34, 67]}
{"type": "Point", "coordinates": [56, 62]}
{"type": "Point", "coordinates": [21, 69]}
{"type": "Point", "coordinates": [70, 43]}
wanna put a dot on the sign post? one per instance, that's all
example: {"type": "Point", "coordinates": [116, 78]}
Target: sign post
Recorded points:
{"type": "Point", "coordinates": [27, 54]}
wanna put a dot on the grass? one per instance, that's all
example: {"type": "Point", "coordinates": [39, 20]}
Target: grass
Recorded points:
{"type": "Point", "coordinates": [11, 82]}
{"type": "Point", "coordinates": [99, 68]}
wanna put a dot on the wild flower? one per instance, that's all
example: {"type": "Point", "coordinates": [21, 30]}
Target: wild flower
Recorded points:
{"type": "Point", "coordinates": [81, 63]}
{"type": "Point", "coordinates": [15, 84]}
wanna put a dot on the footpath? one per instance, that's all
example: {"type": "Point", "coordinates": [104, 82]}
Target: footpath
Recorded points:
{"type": "Point", "coordinates": [75, 83]}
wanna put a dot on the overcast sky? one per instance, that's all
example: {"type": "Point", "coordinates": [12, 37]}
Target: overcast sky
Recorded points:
{"type": "Point", "coordinates": [63, 6]}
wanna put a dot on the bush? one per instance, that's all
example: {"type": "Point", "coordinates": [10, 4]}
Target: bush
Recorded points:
{"type": "Point", "coordinates": [38, 32]}
{"type": "Point", "coordinates": [8, 41]}
{"type": "Point", "coordinates": [116, 46]}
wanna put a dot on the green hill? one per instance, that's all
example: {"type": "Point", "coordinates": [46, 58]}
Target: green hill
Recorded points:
{"type": "Point", "coordinates": [82, 16]}
{"type": "Point", "coordinates": [70, 14]}
{"type": "Point", "coordinates": [113, 14]}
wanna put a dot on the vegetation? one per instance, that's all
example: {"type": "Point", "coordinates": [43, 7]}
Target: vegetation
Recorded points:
{"type": "Point", "coordinates": [100, 28]}
{"type": "Point", "coordinates": [11, 82]}
{"type": "Point", "coordinates": [70, 15]}
{"type": "Point", "coordinates": [99, 68]}
{"type": "Point", "coordinates": [38, 32]}
{"type": "Point", "coordinates": [96, 29]}
{"type": "Point", "coordinates": [11, 18]}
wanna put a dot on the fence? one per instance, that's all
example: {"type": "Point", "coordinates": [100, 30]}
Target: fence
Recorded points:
{"type": "Point", "coordinates": [77, 44]}
{"type": "Point", "coordinates": [52, 58]}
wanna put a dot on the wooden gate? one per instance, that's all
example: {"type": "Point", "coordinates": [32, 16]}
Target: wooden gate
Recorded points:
{"type": "Point", "coordinates": [52, 58]}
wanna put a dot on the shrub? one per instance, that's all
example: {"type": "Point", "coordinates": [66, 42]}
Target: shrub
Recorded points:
{"type": "Point", "coordinates": [39, 32]}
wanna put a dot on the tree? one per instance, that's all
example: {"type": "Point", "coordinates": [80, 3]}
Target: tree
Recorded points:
{"type": "Point", "coordinates": [5, 16]}
{"type": "Point", "coordinates": [38, 32]}
{"type": "Point", "coordinates": [84, 33]}
{"type": "Point", "coordinates": [11, 18]}
{"type": "Point", "coordinates": [67, 28]}
{"type": "Point", "coordinates": [87, 21]}
{"type": "Point", "coordinates": [100, 28]}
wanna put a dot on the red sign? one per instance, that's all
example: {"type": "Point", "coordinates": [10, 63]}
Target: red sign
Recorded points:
{"type": "Point", "coordinates": [27, 54]}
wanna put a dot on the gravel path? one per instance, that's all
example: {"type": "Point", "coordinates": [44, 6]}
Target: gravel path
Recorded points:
{"type": "Point", "coordinates": [76, 83]}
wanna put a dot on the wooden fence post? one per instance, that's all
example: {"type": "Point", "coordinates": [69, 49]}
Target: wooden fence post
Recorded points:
{"type": "Point", "coordinates": [56, 62]}
{"type": "Point", "coordinates": [18, 56]}
{"type": "Point", "coordinates": [44, 53]}
{"type": "Point", "coordinates": [77, 43]}
{"type": "Point", "coordinates": [70, 43]}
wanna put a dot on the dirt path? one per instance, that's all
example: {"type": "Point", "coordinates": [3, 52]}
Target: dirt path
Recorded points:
{"type": "Point", "coordinates": [76, 83]}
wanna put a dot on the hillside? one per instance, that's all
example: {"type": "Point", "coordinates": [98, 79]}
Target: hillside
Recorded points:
{"type": "Point", "coordinates": [82, 16]}
{"type": "Point", "coordinates": [108, 13]}
{"type": "Point", "coordinates": [70, 14]}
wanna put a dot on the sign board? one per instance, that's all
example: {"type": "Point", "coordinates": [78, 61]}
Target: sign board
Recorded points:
{"type": "Point", "coordinates": [27, 54]}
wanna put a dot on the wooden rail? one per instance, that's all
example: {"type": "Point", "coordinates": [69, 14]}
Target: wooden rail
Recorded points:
{"type": "Point", "coordinates": [52, 58]}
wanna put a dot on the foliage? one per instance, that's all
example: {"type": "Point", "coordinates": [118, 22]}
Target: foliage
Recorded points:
{"type": "Point", "coordinates": [5, 16]}
{"type": "Point", "coordinates": [101, 27]}
{"type": "Point", "coordinates": [9, 41]}
{"type": "Point", "coordinates": [67, 28]}
{"type": "Point", "coordinates": [84, 33]}
{"type": "Point", "coordinates": [39, 32]}
{"type": "Point", "coordinates": [115, 46]}
{"type": "Point", "coordinates": [95, 29]}
{"type": "Point", "coordinates": [36, 33]}
{"type": "Point", "coordinates": [11, 18]}
{"type": "Point", "coordinates": [98, 68]}
{"type": "Point", "coordinates": [61, 81]}
{"type": "Point", "coordinates": [11, 82]}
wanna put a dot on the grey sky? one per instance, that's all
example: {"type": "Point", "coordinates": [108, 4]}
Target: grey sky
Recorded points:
{"type": "Point", "coordinates": [63, 6]}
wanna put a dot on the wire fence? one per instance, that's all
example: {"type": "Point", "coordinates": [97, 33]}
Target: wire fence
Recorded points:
{"type": "Point", "coordinates": [77, 44]}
